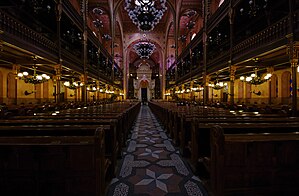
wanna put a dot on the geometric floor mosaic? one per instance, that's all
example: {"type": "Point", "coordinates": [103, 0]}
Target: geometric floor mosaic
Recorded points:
{"type": "Point", "coordinates": [151, 165]}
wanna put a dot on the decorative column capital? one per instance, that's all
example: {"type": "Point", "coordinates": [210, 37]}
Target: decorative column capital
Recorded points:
{"type": "Point", "coordinates": [16, 69]}
{"type": "Point", "coordinates": [58, 69]}
{"type": "Point", "coordinates": [294, 62]}
{"type": "Point", "coordinates": [1, 43]}
{"type": "Point", "coordinates": [270, 69]}
{"type": "Point", "coordinates": [58, 10]}
{"type": "Point", "coordinates": [232, 70]}
{"type": "Point", "coordinates": [207, 79]}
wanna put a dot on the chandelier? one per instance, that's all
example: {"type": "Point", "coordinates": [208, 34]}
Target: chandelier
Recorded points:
{"type": "Point", "coordinates": [144, 14]}
{"type": "Point", "coordinates": [218, 85]}
{"type": "Point", "coordinates": [254, 7]}
{"type": "Point", "coordinates": [144, 49]}
{"type": "Point", "coordinates": [255, 79]}
{"type": "Point", "coordinates": [197, 89]}
{"type": "Point", "coordinates": [35, 78]}
{"type": "Point", "coordinates": [72, 85]}
{"type": "Point", "coordinates": [92, 88]}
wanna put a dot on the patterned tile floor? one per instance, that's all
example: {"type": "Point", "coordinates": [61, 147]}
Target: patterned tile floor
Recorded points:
{"type": "Point", "coordinates": [151, 165]}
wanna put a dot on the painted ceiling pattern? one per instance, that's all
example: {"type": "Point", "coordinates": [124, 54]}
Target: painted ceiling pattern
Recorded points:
{"type": "Point", "coordinates": [188, 11]}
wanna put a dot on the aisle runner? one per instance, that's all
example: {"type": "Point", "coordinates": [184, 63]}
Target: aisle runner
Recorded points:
{"type": "Point", "coordinates": [151, 165]}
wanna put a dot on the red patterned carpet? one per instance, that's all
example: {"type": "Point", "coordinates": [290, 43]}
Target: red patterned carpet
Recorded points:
{"type": "Point", "coordinates": [151, 165]}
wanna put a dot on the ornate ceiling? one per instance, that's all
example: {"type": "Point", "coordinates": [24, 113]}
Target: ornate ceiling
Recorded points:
{"type": "Point", "coordinates": [128, 32]}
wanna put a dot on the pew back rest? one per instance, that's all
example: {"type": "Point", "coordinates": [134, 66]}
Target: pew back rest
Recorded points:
{"type": "Point", "coordinates": [254, 161]}
{"type": "Point", "coordinates": [51, 165]}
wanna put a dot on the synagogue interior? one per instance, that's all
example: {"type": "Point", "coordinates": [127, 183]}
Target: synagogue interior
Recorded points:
{"type": "Point", "coordinates": [149, 97]}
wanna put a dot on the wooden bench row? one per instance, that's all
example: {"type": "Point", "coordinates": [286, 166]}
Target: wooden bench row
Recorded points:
{"type": "Point", "coordinates": [192, 132]}
{"type": "Point", "coordinates": [53, 165]}
{"type": "Point", "coordinates": [58, 154]}
{"type": "Point", "coordinates": [254, 163]}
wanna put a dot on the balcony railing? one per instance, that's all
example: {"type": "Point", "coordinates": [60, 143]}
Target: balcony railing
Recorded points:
{"type": "Point", "coordinates": [273, 33]}
{"type": "Point", "coordinates": [14, 29]}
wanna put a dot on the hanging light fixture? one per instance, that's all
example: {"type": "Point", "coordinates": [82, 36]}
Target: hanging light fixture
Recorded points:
{"type": "Point", "coordinates": [92, 88]}
{"type": "Point", "coordinates": [254, 7]}
{"type": "Point", "coordinates": [255, 79]}
{"type": "Point", "coordinates": [73, 85]}
{"type": "Point", "coordinates": [144, 49]}
{"type": "Point", "coordinates": [106, 37]}
{"type": "Point", "coordinates": [146, 14]}
{"type": "Point", "coordinates": [197, 89]}
{"type": "Point", "coordinates": [218, 85]}
{"type": "Point", "coordinates": [35, 78]}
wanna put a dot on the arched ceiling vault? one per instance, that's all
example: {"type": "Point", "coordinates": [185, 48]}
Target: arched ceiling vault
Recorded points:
{"type": "Point", "coordinates": [127, 33]}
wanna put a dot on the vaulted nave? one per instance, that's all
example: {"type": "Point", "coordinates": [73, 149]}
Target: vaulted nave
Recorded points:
{"type": "Point", "coordinates": [149, 97]}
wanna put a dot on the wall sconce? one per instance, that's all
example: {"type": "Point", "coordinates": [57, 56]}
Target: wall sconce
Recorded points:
{"type": "Point", "coordinates": [29, 92]}
{"type": "Point", "coordinates": [256, 93]}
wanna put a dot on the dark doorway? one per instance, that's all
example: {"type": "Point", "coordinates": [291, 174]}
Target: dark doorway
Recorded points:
{"type": "Point", "coordinates": [144, 95]}
{"type": "Point", "coordinates": [225, 97]}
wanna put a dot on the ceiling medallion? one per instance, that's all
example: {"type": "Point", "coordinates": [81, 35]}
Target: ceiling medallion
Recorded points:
{"type": "Point", "coordinates": [146, 14]}
{"type": "Point", "coordinates": [144, 49]}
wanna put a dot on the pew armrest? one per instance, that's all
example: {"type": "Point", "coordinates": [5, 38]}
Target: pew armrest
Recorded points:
{"type": "Point", "coordinates": [206, 161]}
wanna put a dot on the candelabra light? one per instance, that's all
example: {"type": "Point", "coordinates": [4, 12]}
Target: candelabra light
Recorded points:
{"type": "Point", "coordinates": [255, 79]}
{"type": "Point", "coordinates": [98, 23]}
{"type": "Point", "coordinates": [183, 38]}
{"type": "Point", "coordinates": [190, 24]}
{"type": "Point", "coordinates": [144, 49]}
{"type": "Point", "coordinates": [146, 14]}
{"type": "Point", "coordinates": [106, 37]}
{"type": "Point", "coordinates": [92, 88]}
{"type": "Point", "coordinates": [197, 89]}
{"type": "Point", "coordinates": [218, 85]}
{"type": "Point", "coordinates": [35, 78]}
{"type": "Point", "coordinates": [73, 85]}
{"type": "Point", "coordinates": [97, 11]}
{"type": "Point", "coordinates": [254, 7]}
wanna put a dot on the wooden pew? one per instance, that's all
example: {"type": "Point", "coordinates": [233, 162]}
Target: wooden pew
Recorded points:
{"type": "Point", "coordinates": [49, 127]}
{"type": "Point", "coordinates": [53, 165]}
{"type": "Point", "coordinates": [124, 117]}
{"type": "Point", "coordinates": [116, 132]}
{"type": "Point", "coordinates": [254, 163]}
{"type": "Point", "coordinates": [199, 145]}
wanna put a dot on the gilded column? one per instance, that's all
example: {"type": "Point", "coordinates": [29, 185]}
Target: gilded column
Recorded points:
{"type": "Point", "coordinates": [293, 52]}
{"type": "Point", "coordinates": [56, 82]}
{"type": "Point", "coordinates": [270, 70]}
{"type": "Point", "coordinates": [83, 88]}
{"type": "Point", "coordinates": [16, 69]}
{"type": "Point", "coordinates": [204, 41]}
{"type": "Point", "coordinates": [232, 83]}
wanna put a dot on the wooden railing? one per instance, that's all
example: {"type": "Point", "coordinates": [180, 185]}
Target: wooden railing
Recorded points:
{"type": "Point", "coordinates": [12, 27]}
{"type": "Point", "coordinates": [273, 33]}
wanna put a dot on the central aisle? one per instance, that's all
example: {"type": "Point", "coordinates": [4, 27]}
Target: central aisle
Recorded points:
{"type": "Point", "coordinates": [151, 165]}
